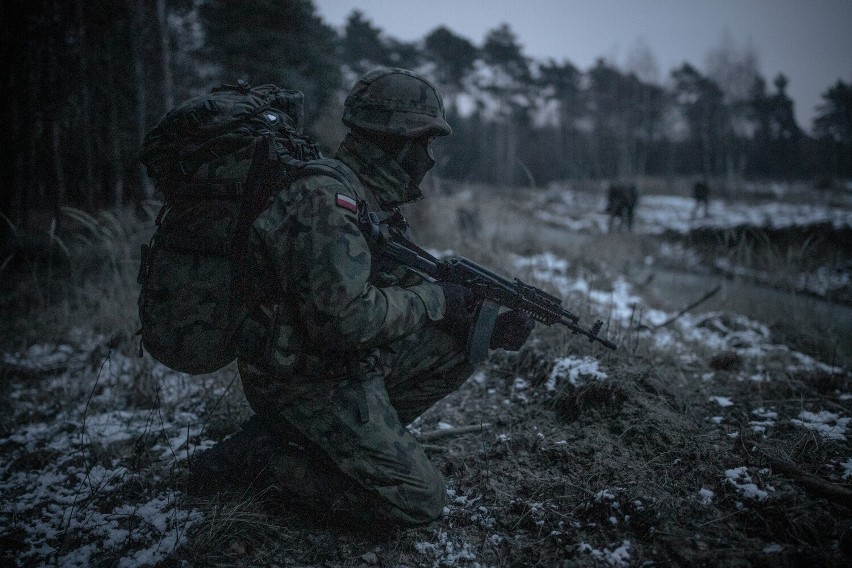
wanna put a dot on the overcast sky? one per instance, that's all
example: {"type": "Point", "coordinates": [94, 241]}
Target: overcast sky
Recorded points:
{"type": "Point", "coordinates": [810, 41]}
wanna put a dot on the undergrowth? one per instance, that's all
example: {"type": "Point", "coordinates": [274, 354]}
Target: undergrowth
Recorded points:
{"type": "Point", "coordinates": [81, 276]}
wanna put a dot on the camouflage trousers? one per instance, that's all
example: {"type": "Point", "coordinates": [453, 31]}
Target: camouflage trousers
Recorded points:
{"type": "Point", "coordinates": [355, 457]}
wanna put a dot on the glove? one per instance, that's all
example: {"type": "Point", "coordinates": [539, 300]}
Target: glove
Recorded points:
{"type": "Point", "coordinates": [459, 300]}
{"type": "Point", "coordinates": [511, 330]}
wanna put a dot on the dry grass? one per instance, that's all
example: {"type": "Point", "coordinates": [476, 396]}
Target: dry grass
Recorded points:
{"type": "Point", "coordinates": [83, 276]}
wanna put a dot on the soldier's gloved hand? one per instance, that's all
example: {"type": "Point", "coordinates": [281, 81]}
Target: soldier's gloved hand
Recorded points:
{"type": "Point", "coordinates": [511, 330]}
{"type": "Point", "coordinates": [459, 302]}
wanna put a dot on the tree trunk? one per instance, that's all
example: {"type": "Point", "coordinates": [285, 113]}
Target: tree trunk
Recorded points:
{"type": "Point", "coordinates": [165, 56]}
{"type": "Point", "coordinates": [508, 157]}
{"type": "Point", "coordinates": [137, 8]}
{"type": "Point", "coordinates": [55, 115]}
{"type": "Point", "coordinates": [597, 148]}
{"type": "Point", "coordinates": [115, 128]}
{"type": "Point", "coordinates": [30, 184]}
{"type": "Point", "coordinates": [58, 167]}
{"type": "Point", "coordinates": [12, 73]}
{"type": "Point", "coordinates": [644, 146]}
{"type": "Point", "coordinates": [87, 134]}
{"type": "Point", "coordinates": [38, 82]}
{"type": "Point", "coordinates": [705, 146]}
{"type": "Point", "coordinates": [625, 149]}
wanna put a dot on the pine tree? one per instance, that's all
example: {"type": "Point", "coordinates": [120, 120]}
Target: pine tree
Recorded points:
{"type": "Point", "coordinates": [273, 41]}
{"type": "Point", "coordinates": [833, 125]}
{"type": "Point", "coordinates": [362, 46]}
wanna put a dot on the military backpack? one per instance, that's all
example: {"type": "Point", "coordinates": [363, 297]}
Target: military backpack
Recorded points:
{"type": "Point", "coordinates": [215, 158]}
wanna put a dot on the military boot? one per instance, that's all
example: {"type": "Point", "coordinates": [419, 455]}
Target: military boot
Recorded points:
{"type": "Point", "coordinates": [238, 463]}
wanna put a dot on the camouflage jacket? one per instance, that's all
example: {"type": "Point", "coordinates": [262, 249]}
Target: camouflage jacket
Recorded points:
{"type": "Point", "coordinates": [321, 293]}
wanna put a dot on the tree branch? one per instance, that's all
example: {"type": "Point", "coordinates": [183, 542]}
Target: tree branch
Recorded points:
{"type": "Point", "coordinates": [451, 432]}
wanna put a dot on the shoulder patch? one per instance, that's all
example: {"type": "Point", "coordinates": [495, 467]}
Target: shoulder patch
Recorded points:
{"type": "Point", "coordinates": [346, 202]}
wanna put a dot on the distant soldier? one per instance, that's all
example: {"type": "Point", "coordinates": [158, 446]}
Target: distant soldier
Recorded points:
{"type": "Point", "coordinates": [701, 194]}
{"type": "Point", "coordinates": [621, 202]}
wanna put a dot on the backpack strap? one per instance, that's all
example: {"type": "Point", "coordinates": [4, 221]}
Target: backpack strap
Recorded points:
{"type": "Point", "coordinates": [336, 169]}
{"type": "Point", "coordinates": [266, 166]}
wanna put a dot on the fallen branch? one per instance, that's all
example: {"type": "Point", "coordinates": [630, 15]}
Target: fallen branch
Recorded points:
{"type": "Point", "coordinates": [716, 520]}
{"type": "Point", "coordinates": [450, 432]}
{"type": "Point", "coordinates": [812, 482]}
{"type": "Point", "coordinates": [694, 304]}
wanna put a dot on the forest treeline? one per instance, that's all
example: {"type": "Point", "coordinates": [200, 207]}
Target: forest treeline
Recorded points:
{"type": "Point", "coordinates": [85, 81]}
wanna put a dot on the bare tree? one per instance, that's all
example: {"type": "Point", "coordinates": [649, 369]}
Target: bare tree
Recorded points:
{"type": "Point", "coordinates": [642, 62]}
{"type": "Point", "coordinates": [734, 68]}
{"type": "Point", "coordinates": [700, 101]}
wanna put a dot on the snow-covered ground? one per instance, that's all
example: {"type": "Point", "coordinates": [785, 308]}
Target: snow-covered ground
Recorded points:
{"type": "Point", "coordinates": [66, 484]}
{"type": "Point", "coordinates": [657, 214]}
{"type": "Point", "coordinates": [85, 488]}
{"type": "Point", "coordinates": [712, 331]}
{"type": "Point", "coordinates": [715, 331]}
{"type": "Point", "coordinates": [583, 212]}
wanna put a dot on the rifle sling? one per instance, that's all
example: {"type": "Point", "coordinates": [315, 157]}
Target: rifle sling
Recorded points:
{"type": "Point", "coordinates": [479, 340]}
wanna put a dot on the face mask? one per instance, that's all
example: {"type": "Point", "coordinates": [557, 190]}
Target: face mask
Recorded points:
{"type": "Point", "coordinates": [416, 159]}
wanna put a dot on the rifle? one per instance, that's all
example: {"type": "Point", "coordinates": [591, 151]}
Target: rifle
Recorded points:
{"type": "Point", "coordinates": [495, 290]}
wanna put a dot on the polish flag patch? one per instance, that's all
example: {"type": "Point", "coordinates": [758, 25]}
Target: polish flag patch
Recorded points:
{"type": "Point", "coordinates": [346, 202]}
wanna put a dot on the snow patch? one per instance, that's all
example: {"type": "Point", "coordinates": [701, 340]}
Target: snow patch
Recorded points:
{"type": "Point", "coordinates": [575, 370]}
{"type": "Point", "coordinates": [67, 508]}
{"type": "Point", "coordinates": [722, 401]}
{"type": "Point", "coordinates": [447, 551]}
{"type": "Point", "coordinates": [742, 482]}
{"type": "Point", "coordinates": [847, 469]}
{"type": "Point", "coordinates": [827, 424]}
{"type": "Point", "coordinates": [617, 557]}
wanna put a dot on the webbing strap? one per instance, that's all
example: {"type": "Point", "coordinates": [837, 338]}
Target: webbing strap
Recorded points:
{"type": "Point", "coordinates": [330, 167]}
{"type": "Point", "coordinates": [266, 166]}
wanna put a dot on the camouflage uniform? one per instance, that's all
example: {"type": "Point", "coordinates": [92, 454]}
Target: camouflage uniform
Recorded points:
{"type": "Point", "coordinates": [353, 355]}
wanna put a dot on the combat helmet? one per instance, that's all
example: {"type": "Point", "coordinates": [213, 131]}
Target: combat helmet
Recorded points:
{"type": "Point", "coordinates": [398, 102]}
